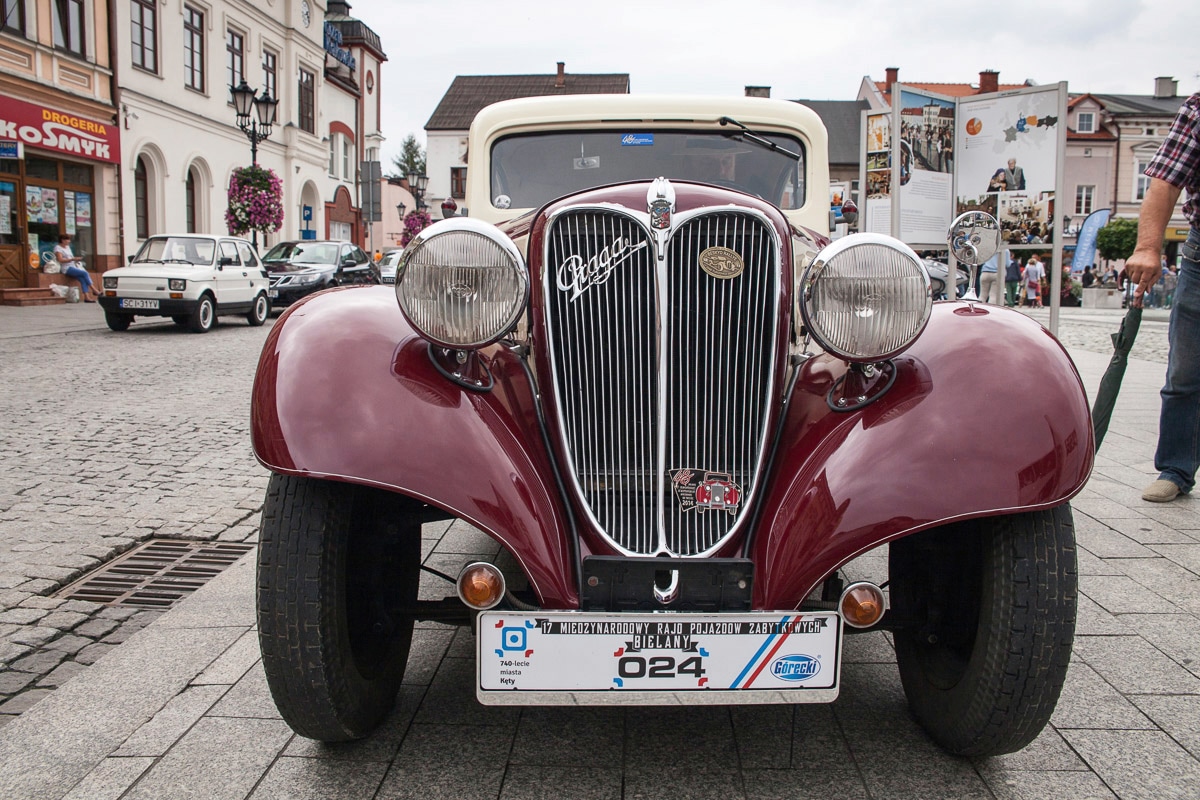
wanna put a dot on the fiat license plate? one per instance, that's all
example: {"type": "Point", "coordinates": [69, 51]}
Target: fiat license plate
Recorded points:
{"type": "Point", "coordinates": [133, 302]}
{"type": "Point", "coordinates": [567, 657]}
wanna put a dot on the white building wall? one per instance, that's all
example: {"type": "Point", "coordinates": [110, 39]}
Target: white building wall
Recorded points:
{"type": "Point", "coordinates": [443, 150]}
{"type": "Point", "coordinates": [176, 128]}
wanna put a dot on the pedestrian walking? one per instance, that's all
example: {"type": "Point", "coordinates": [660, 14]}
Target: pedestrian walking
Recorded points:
{"type": "Point", "coordinates": [987, 278]}
{"type": "Point", "coordinates": [1034, 272]}
{"type": "Point", "coordinates": [1174, 168]}
{"type": "Point", "coordinates": [1012, 280]}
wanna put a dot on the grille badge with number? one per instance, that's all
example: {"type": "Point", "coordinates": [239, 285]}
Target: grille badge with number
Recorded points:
{"type": "Point", "coordinates": [721, 262]}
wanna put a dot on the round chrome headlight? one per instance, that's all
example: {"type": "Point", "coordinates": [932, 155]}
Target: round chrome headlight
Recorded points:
{"type": "Point", "coordinates": [461, 283]}
{"type": "Point", "coordinates": [866, 297]}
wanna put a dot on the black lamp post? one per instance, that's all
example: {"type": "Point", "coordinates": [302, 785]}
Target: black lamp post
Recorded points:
{"type": "Point", "coordinates": [400, 209]}
{"type": "Point", "coordinates": [417, 182]}
{"type": "Point", "coordinates": [256, 130]}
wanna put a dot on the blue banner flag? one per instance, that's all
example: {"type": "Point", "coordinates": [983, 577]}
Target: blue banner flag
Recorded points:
{"type": "Point", "coordinates": [1085, 244]}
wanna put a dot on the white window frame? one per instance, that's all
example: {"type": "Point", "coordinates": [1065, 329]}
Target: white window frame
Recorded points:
{"type": "Point", "coordinates": [1141, 183]}
{"type": "Point", "coordinates": [1085, 199]}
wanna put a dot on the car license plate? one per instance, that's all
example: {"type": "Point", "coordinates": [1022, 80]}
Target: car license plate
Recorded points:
{"type": "Point", "coordinates": [272, 293]}
{"type": "Point", "coordinates": [563, 657]}
{"type": "Point", "coordinates": [132, 302]}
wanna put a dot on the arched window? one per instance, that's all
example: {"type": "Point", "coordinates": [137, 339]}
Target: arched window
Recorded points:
{"type": "Point", "coordinates": [141, 203]}
{"type": "Point", "coordinates": [190, 200]}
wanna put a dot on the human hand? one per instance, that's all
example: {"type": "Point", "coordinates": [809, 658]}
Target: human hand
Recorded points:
{"type": "Point", "coordinates": [1144, 268]}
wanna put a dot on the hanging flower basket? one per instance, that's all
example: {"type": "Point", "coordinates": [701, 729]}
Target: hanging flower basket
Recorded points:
{"type": "Point", "coordinates": [414, 223]}
{"type": "Point", "coordinates": [255, 201]}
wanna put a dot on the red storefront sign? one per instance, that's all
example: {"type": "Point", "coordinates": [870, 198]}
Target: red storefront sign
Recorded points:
{"type": "Point", "coordinates": [59, 131]}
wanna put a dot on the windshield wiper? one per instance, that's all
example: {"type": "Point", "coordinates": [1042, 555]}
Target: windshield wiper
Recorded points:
{"type": "Point", "coordinates": [751, 136]}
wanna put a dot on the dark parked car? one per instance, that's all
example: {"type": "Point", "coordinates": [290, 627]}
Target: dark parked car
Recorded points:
{"type": "Point", "coordinates": [298, 269]}
{"type": "Point", "coordinates": [680, 412]}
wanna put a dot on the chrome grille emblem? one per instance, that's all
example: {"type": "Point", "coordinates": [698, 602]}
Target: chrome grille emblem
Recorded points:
{"type": "Point", "coordinates": [721, 262]}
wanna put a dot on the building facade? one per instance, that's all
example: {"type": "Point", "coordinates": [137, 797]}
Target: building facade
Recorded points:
{"type": "Point", "coordinates": [60, 143]}
{"type": "Point", "coordinates": [180, 138]}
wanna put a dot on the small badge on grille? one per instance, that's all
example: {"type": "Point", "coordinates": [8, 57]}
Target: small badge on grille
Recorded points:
{"type": "Point", "coordinates": [715, 490]}
{"type": "Point", "coordinates": [660, 215]}
{"type": "Point", "coordinates": [721, 262]}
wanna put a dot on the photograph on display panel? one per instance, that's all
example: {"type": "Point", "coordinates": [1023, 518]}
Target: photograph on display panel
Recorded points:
{"type": "Point", "coordinates": [1008, 148]}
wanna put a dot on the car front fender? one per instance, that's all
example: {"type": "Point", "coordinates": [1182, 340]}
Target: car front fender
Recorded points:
{"type": "Point", "coordinates": [345, 390]}
{"type": "Point", "coordinates": [987, 416]}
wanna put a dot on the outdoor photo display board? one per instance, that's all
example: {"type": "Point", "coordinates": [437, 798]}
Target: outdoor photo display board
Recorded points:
{"type": "Point", "coordinates": [876, 173]}
{"type": "Point", "coordinates": [923, 166]}
{"type": "Point", "coordinates": [1008, 147]}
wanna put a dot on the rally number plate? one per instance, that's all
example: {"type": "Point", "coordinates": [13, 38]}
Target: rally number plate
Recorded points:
{"type": "Point", "coordinates": [646, 659]}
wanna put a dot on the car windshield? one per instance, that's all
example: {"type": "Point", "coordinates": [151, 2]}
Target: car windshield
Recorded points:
{"type": "Point", "coordinates": [303, 253]}
{"type": "Point", "coordinates": [177, 250]}
{"type": "Point", "coordinates": [529, 170]}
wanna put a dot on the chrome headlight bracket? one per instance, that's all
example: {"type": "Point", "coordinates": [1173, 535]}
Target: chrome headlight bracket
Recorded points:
{"type": "Point", "coordinates": [862, 385]}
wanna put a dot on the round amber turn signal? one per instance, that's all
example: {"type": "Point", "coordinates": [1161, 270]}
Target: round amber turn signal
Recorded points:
{"type": "Point", "coordinates": [861, 605]}
{"type": "Point", "coordinates": [481, 585]}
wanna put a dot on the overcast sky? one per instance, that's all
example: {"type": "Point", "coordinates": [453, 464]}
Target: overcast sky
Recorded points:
{"type": "Point", "coordinates": [813, 49]}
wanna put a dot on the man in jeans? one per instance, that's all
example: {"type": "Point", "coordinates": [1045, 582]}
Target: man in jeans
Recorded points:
{"type": "Point", "coordinates": [1175, 167]}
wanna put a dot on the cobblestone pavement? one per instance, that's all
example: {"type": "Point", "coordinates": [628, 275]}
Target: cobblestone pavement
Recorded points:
{"type": "Point", "coordinates": [181, 709]}
{"type": "Point", "coordinates": [109, 439]}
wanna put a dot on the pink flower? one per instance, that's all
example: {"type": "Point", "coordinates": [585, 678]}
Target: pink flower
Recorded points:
{"type": "Point", "coordinates": [255, 201]}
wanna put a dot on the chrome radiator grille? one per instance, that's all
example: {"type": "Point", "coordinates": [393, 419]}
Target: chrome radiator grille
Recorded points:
{"type": "Point", "coordinates": [662, 373]}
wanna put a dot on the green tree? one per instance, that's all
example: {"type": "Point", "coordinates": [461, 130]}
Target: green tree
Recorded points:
{"type": "Point", "coordinates": [411, 158]}
{"type": "Point", "coordinates": [1116, 240]}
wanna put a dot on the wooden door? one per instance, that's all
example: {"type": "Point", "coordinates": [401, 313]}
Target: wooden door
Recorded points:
{"type": "Point", "coordinates": [12, 249]}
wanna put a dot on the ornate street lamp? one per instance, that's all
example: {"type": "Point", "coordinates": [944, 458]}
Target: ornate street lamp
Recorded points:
{"type": "Point", "coordinates": [400, 209]}
{"type": "Point", "coordinates": [416, 184]}
{"type": "Point", "coordinates": [265, 107]}
{"type": "Point", "coordinates": [258, 129]}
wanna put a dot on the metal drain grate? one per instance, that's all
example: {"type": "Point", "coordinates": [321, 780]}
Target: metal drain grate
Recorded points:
{"type": "Point", "coordinates": [156, 573]}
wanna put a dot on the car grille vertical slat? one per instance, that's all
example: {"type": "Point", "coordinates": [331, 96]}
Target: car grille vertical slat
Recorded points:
{"type": "Point", "coordinates": [603, 343]}
{"type": "Point", "coordinates": [719, 335]}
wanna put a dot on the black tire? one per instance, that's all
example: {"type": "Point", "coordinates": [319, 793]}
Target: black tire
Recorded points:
{"type": "Point", "coordinates": [338, 565]}
{"type": "Point", "coordinates": [257, 314]}
{"type": "Point", "coordinates": [988, 608]}
{"type": "Point", "coordinates": [118, 322]}
{"type": "Point", "coordinates": [204, 315]}
{"type": "Point", "coordinates": [182, 320]}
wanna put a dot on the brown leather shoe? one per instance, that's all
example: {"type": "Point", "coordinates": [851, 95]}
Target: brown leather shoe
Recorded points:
{"type": "Point", "coordinates": [1161, 491]}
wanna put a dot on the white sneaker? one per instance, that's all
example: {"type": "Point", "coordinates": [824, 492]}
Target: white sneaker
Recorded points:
{"type": "Point", "coordinates": [1161, 491]}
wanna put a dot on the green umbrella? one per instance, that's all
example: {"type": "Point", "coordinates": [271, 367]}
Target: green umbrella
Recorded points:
{"type": "Point", "coordinates": [1110, 384]}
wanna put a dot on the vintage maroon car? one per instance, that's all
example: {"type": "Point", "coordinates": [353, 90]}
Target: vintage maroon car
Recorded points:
{"type": "Point", "coordinates": [641, 316]}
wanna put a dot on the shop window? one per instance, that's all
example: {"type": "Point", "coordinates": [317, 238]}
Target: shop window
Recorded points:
{"type": "Point", "coordinates": [193, 48]}
{"type": "Point", "coordinates": [458, 182]}
{"type": "Point", "coordinates": [68, 26]}
{"type": "Point", "coordinates": [78, 174]}
{"type": "Point", "coordinates": [235, 58]}
{"type": "Point", "coordinates": [14, 15]}
{"type": "Point", "coordinates": [308, 105]}
{"type": "Point", "coordinates": [143, 17]}
{"type": "Point", "coordinates": [43, 168]}
{"type": "Point", "coordinates": [141, 195]}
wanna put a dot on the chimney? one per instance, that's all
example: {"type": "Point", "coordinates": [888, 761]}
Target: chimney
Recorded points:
{"type": "Point", "coordinates": [1165, 88]}
{"type": "Point", "coordinates": [989, 81]}
{"type": "Point", "coordinates": [758, 91]}
{"type": "Point", "coordinates": [561, 81]}
{"type": "Point", "coordinates": [893, 75]}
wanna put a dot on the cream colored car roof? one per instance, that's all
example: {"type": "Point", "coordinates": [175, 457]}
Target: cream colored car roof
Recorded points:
{"type": "Point", "coordinates": [620, 111]}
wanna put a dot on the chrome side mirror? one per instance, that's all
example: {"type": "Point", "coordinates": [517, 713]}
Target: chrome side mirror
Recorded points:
{"type": "Point", "coordinates": [974, 237]}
